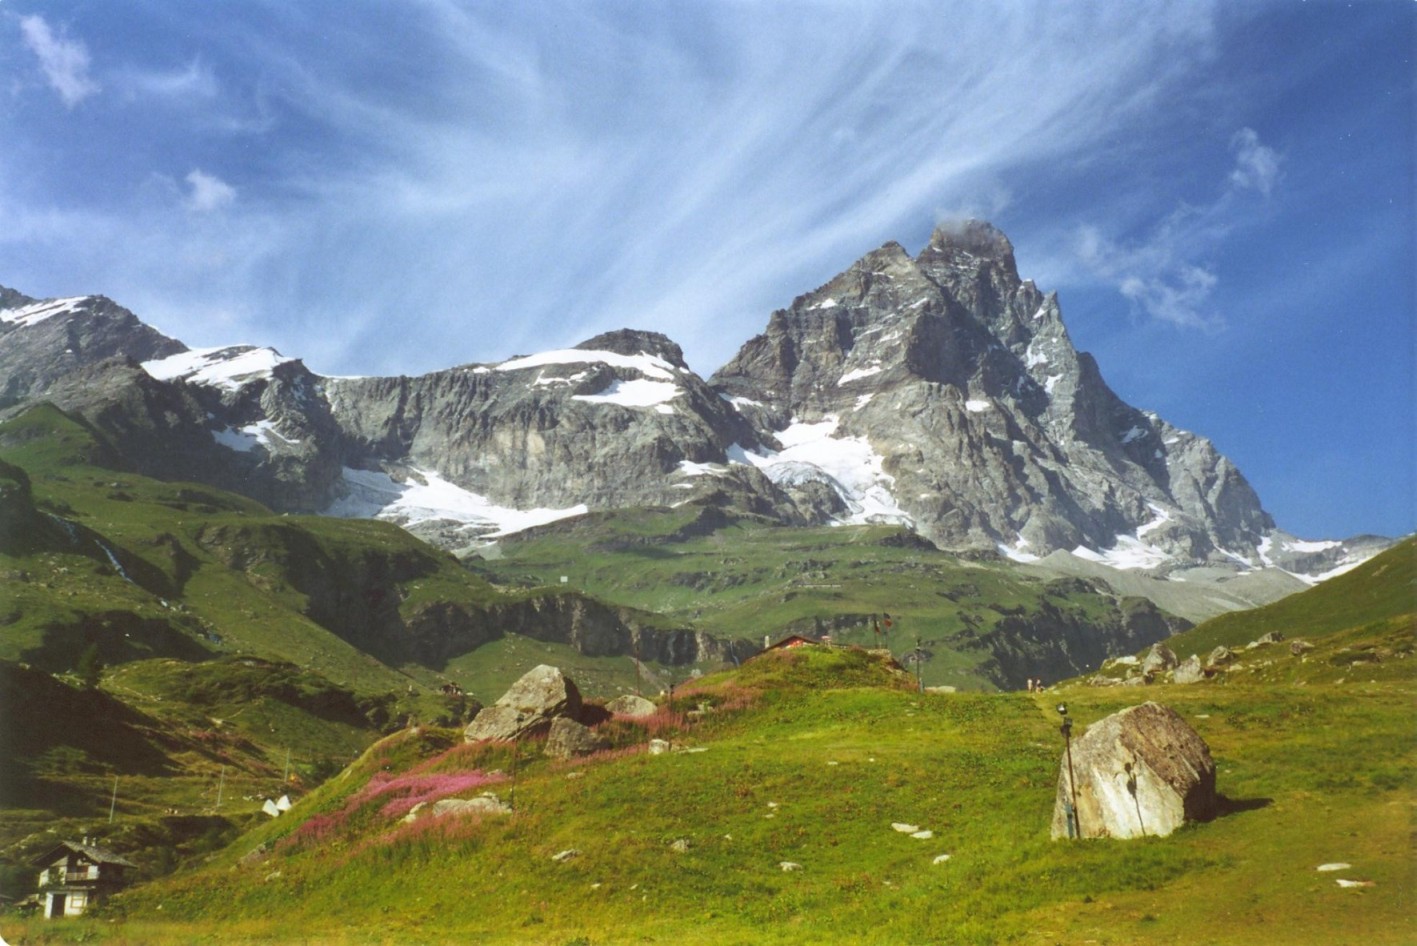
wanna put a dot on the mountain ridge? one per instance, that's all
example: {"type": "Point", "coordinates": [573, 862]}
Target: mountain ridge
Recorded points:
{"type": "Point", "coordinates": [939, 391]}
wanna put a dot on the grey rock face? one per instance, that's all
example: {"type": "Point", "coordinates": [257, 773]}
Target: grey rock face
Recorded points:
{"type": "Point", "coordinates": [1142, 771]}
{"type": "Point", "coordinates": [44, 341]}
{"type": "Point", "coordinates": [995, 430]}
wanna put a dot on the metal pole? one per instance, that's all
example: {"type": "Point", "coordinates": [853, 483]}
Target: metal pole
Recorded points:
{"type": "Point", "coordinates": [919, 681]}
{"type": "Point", "coordinates": [1074, 828]}
{"type": "Point", "coordinates": [113, 803]}
{"type": "Point", "coordinates": [221, 783]}
{"type": "Point", "coordinates": [285, 775]}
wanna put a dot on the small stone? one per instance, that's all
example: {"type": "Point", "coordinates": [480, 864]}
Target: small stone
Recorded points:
{"type": "Point", "coordinates": [1337, 865]}
{"type": "Point", "coordinates": [680, 846]}
{"type": "Point", "coordinates": [658, 747]}
{"type": "Point", "coordinates": [1355, 883]}
{"type": "Point", "coordinates": [789, 865]}
{"type": "Point", "coordinates": [485, 804]}
{"type": "Point", "coordinates": [904, 828]}
{"type": "Point", "coordinates": [941, 858]}
{"type": "Point", "coordinates": [565, 855]}
{"type": "Point", "coordinates": [924, 835]}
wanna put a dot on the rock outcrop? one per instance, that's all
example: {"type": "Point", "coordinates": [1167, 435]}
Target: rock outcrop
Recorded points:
{"type": "Point", "coordinates": [1142, 771]}
{"type": "Point", "coordinates": [568, 739]}
{"type": "Point", "coordinates": [631, 705]}
{"type": "Point", "coordinates": [531, 705]}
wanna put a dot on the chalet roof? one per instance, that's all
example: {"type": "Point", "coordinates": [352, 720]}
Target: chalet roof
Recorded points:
{"type": "Point", "coordinates": [96, 854]}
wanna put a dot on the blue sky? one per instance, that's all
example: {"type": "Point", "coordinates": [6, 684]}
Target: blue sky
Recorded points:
{"type": "Point", "coordinates": [1221, 193]}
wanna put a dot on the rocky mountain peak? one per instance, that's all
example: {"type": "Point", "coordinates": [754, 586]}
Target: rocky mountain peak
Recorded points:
{"type": "Point", "coordinates": [13, 299]}
{"type": "Point", "coordinates": [977, 238]}
{"type": "Point", "coordinates": [628, 341]}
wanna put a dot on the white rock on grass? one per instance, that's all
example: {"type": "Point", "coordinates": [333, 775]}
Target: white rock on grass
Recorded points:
{"type": "Point", "coordinates": [904, 828]}
{"type": "Point", "coordinates": [565, 855]}
{"type": "Point", "coordinates": [789, 865]}
{"type": "Point", "coordinates": [1337, 865]}
{"type": "Point", "coordinates": [1355, 883]}
{"type": "Point", "coordinates": [680, 846]}
{"type": "Point", "coordinates": [941, 858]}
{"type": "Point", "coordinates": [924, 835]}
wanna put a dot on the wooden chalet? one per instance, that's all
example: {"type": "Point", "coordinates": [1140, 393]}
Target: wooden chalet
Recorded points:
{"type": "Point", "coordinates": [76, 875]}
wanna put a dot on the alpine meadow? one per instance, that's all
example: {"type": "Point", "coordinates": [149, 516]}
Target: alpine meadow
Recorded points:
{"type": "Point", "coordinates": [935, 613]}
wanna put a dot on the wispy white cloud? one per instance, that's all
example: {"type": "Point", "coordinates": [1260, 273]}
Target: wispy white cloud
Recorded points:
{"type": "Point", "coordinates": [1167, 275]}
{"type": "Point", "coordinates": [193, 82]}
{"type": "Point", "coordinates": [208, 192]}
{"type": "Point", "coordinates": [586, 168]}
{"type": "Point", "coordinates": [1256, 165]}
{"type": "Point", "coordinates": [65, 61]}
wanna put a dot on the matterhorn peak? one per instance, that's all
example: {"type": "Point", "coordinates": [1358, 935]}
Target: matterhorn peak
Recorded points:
{"type": "Point", "coordinates": [957, 241]}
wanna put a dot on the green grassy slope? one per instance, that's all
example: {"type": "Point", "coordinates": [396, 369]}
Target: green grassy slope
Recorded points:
{"type": "Point", "coordinates": [809, 758]}
{"type": "Point", "coordinates": [1380, 592]}
{"type": "Point", "coordinates": [981, 623]}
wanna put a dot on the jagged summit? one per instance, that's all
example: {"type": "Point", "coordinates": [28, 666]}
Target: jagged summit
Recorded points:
{"type": "Point", "coordinates": [13, 299]}
{"type": "Point", "coordinates": [977, 238]}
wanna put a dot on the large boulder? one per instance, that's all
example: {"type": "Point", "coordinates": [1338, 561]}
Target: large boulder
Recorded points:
{"type": "Point", "coordinates": [541, 695]}
{"type": "Point", "coordinates": [1142, 771]}
{"type": "Point", "coordinates": [631, 705]}
{"type": "Point", "coordinates": [569, 739]}
{"type": "Point", "coordinates": [1188, 671]}
{"type": "Point", "coordinates": [1158, 660]}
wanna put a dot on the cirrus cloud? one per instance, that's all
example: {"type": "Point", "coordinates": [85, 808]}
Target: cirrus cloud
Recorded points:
{"type": "Point", "coordinates": [65, 62]}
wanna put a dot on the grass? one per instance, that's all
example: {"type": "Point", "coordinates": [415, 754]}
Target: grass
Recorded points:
{"type": "Point", "coordinates": [982, 624]}
{"type": "Point", "coordinates": [813, 768]}
{"type": "Point", "coordinates": [1381, 590]}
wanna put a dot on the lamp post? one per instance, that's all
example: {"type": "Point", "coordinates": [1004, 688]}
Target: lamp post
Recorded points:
{"type": "Point", "coordinates": [1074, 829]}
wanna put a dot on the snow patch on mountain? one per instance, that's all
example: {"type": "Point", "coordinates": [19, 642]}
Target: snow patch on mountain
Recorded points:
{"type": "Point", "coordinates": [1128, 552]}
{"type": "Point", "coordinates": [37, 312]}
{"type": "Point", "coordinates": [230, 367]}
{"type": "Point", "coordinates": [426, 496]}
{"type": "Point", "coordinates": [641, 392]}
{"type": "Point", "coordinates": [857, 374]}
{"type": "Point", "coordinates": [850, 465]}
{"type": "Point", "coordinates": [651, 366]}
{"type": "Point", "coordinates": [1162, 517]}
{"type": "Point", "coordinates": [245, 439]}
{"type": "Point", "coordinates": [1018, 552]}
